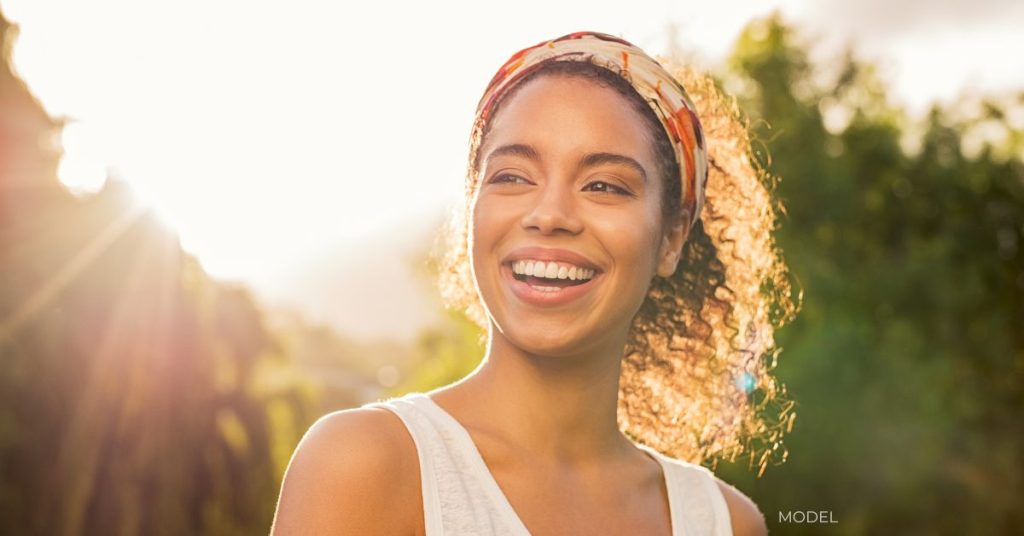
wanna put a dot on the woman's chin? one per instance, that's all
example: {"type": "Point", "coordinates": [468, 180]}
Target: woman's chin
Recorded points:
{"type": "Point", "coordinates": [549, 339]}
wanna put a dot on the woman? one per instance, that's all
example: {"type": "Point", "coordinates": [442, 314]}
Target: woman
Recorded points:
{"type": "Point", "coordinates": [584, 250]}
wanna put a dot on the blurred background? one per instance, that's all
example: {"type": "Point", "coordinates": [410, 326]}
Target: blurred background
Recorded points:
{"type": "Point", "coordinates": [215, 221]}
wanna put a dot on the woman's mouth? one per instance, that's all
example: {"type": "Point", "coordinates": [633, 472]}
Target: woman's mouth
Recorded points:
{"type": "Point", "coordinates": [550, 276]}
{"type": "Point", "coordinates": [548, 283]}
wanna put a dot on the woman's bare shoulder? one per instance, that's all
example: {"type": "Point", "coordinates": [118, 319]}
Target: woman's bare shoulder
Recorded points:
{"type": "Point", "coordinates": [354, 472]}
{"type": "Point", "coordinates": [746, 518]}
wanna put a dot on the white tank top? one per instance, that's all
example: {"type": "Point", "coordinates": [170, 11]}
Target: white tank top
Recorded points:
{"type": "Point", "coordinates": [462, 498]}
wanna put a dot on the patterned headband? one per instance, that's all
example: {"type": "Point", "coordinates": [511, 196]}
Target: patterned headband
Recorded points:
{"type": "Point", "coordinates": [663, 93]}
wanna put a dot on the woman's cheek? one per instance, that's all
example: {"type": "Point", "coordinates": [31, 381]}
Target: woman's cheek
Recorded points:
{"type": "Point", "coordinates": [483, 225]}
{"type": "Point", "coordinates": [488, 222]}
{"type": "Point", "coordinates": [634, 248]}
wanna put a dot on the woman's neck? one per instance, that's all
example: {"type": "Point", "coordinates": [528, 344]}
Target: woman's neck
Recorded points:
{"type": "Point", "coordinates": [560, 408]}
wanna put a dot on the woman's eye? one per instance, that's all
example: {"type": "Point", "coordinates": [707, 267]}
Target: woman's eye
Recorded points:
{"type": "Point", "coordinates": [604, 187]}
{"type": "Point", "coordinates": [509, 179]}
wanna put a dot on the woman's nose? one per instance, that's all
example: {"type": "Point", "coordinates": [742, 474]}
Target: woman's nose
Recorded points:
{"type": "Point", "coordinates": [553, 211]}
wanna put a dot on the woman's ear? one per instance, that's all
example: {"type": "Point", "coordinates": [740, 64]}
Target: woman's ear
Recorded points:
{"type": "Point", "coordinates": [672, 245]}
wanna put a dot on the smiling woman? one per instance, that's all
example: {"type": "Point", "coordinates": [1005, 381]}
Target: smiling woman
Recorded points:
{"type": "Point", "coordinates": [625, 286]}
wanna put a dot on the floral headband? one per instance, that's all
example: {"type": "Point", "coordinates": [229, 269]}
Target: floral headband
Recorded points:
{"type": "Point", "coordinates": [663, 93]}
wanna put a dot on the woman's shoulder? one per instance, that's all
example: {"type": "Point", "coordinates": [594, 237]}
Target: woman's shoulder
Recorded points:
{"type": "Point", "coordinates": [745, 517]}
{"type": "Point", "coordinates": [350, 467]}
{"type": "Point", "coordinates": [374, 437]}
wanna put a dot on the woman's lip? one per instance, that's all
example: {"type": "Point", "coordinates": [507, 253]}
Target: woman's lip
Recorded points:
{"type": "Point", "coordinates": [525, 292]}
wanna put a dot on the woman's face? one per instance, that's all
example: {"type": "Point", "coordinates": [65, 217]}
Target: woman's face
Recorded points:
{"type": "Point", "coordinates": [566, 229]}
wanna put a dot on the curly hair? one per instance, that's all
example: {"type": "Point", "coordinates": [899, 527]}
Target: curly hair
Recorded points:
{"type": "Point", "coordinates": [696, 379]}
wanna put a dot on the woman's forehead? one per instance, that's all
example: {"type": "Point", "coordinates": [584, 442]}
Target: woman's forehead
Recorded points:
{"type": "Point", "coordinates": [562, 113]}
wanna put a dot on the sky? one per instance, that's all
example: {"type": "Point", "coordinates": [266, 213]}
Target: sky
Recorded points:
{"type": "Point", "coordinates": [267, 133]}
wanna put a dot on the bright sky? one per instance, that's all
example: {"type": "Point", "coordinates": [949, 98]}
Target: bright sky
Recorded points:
{"type": "Point", "coordinates": [266, 131]}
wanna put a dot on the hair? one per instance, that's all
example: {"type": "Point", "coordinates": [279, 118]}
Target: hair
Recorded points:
{"type": "Point", "coordinates": [696, 380]}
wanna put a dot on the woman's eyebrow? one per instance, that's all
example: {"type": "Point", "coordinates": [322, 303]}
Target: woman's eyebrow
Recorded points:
{"type": "Point", "coordinates": [596, 159]}
{"type": "Point", "coordinates": [514, 149]}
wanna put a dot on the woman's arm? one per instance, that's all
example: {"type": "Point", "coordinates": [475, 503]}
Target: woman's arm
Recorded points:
{"type": "Point", "coordinates": [354, 472]}
{"type": "Point", "coordinates": [746, 518]}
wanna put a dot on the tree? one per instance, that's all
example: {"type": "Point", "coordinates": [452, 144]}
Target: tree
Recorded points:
{"type": "Point", "coordinates": [905, 361]}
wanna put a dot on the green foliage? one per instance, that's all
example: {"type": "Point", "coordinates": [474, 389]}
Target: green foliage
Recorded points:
{"type": "Point", "coordinates": [131, 387]}
{"type": "Point", "coordinates": [446, 353]}
{"type": "Point", "coordinates": [907, 360]}
{"type": "Point", "coordinates": [134, 390]}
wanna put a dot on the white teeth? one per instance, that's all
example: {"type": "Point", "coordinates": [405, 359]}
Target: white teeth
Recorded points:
{"type": "Point", "coordinates": [552, 270]}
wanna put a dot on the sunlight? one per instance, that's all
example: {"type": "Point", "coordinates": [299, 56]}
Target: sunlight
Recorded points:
{"type": "Point", "coordinates": [83, 167]}
{"type": "Point", "coordinates": [67, 273]}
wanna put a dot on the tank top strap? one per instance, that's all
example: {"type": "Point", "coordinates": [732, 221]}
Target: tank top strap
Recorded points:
{"type": "Point", "coordinates": [426, 441]}
{"type": "Point", "coordinates": [695, 499]}
{"type": "Point", "coordinates": [460, 497]}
